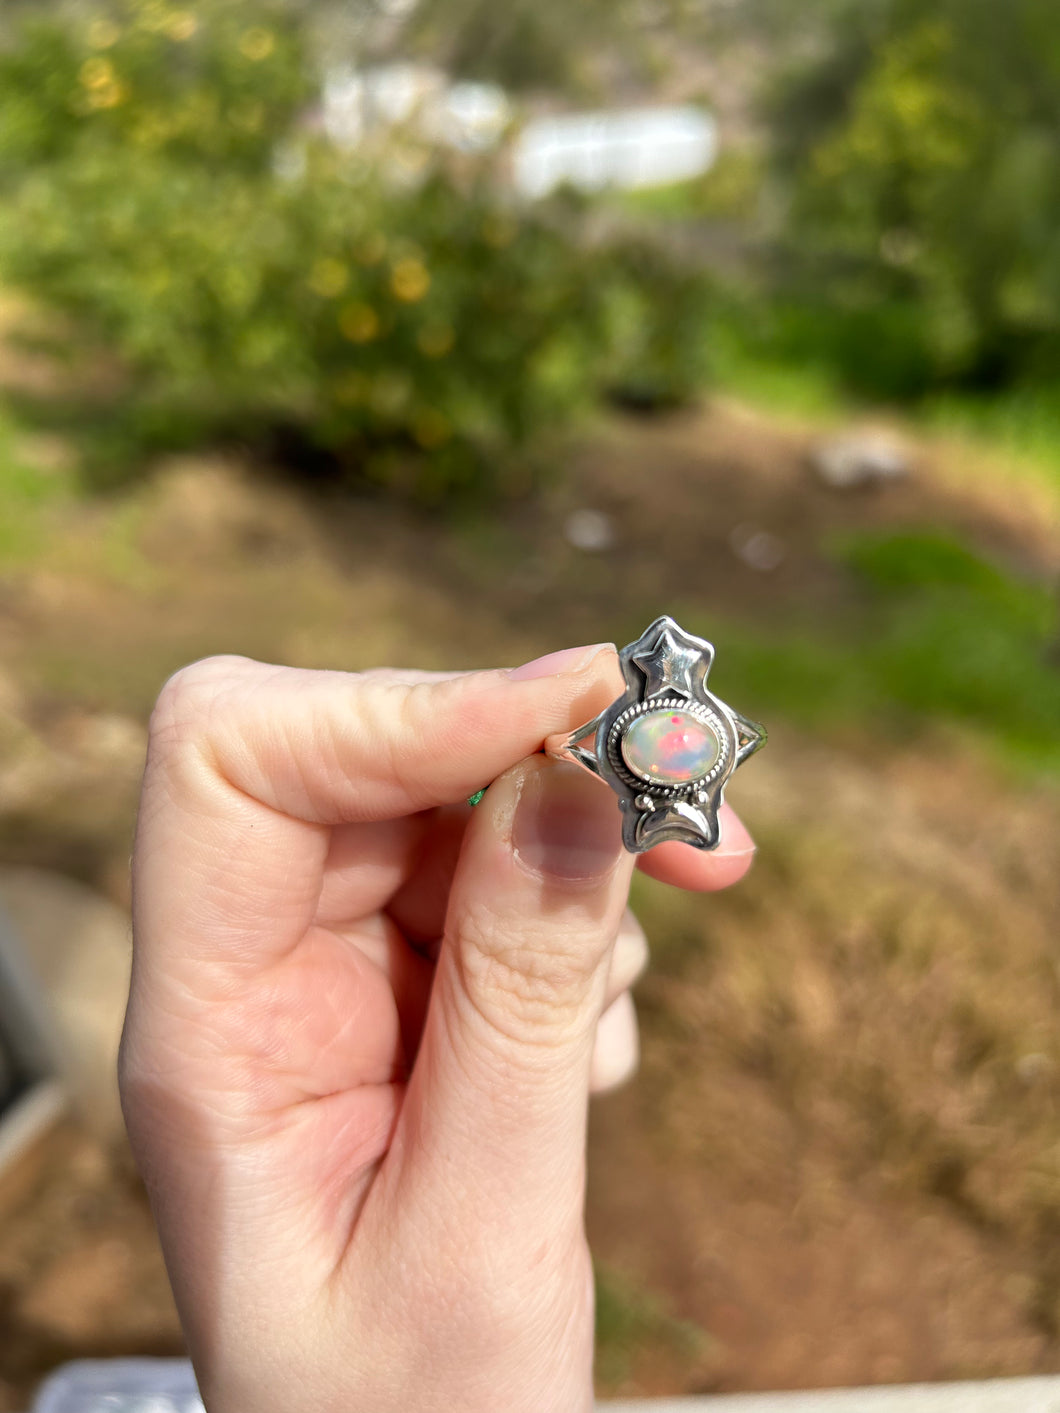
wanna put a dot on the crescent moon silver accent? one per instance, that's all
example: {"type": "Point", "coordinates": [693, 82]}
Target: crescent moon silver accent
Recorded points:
{"type": "Point", "coordinates": [666, 670]}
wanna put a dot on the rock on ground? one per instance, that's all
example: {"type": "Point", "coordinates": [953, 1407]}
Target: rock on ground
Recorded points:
{"type": "Point", "coordinates": [78, 948]}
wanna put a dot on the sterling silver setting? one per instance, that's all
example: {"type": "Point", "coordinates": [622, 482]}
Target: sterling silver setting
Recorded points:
{"type": "Point", "coordinates": [666, 669]}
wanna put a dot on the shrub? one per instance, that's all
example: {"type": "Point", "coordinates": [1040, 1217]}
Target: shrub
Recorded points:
{"type": "Point", "coordinates": [164, 190]}
{"type": "Point", "coordinates": [924, 179]}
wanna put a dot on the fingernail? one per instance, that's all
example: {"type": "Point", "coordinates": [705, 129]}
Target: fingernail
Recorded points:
{"type": "Point", "coordinates": [567, 824]}
{"type": "Point", "coordinates": [735, 839]}
{"type": "Point", "coordinates": [552, 664]}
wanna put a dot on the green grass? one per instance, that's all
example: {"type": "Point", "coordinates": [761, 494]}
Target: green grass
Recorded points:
{"type": "Point", "coordinates": [29, 492]}
{"type": "Point", "coordinates": [1023, 423]}
{"type": "Point", "coordinates": [780, 387]}
{"type": "Point", "coordinates": [1020, 426]}
{"type": "Point", "coordinates": [934, 634]}
{"type": "Point", "coordinates": [630, 1321]}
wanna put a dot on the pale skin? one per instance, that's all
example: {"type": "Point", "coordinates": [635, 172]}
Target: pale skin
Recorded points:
{"type": "Point", "coordinates": [365, 1022]}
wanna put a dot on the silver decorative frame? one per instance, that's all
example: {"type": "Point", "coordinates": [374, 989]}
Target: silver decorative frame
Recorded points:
{"type": "Point", "coordinates": [665, 668]}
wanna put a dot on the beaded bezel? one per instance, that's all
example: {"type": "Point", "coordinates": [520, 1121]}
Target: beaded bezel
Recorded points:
{"type": "Point", "coordinates": [645, 784]}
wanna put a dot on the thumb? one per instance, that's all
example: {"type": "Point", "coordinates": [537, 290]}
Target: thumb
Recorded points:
{"type": "Point", "coordinates": [499, 1093]}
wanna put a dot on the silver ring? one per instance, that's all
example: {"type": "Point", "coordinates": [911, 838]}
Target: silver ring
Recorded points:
{"type": "Point", "coordinates": [667, 746]}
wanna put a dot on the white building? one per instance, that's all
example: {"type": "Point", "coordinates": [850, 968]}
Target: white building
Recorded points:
{"type": "Point", "coordinates": [623, 148]}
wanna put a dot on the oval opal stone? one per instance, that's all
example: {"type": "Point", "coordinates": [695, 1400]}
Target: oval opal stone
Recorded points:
{"type": "Point", "coordinates": [670, 747]}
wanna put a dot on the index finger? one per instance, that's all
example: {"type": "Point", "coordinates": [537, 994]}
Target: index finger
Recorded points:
{"type": "Point", "coordinates": [250, 765]}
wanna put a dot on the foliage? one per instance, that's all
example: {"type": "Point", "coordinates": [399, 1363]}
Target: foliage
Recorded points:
{"type": "Point", "coordinates": [941, 634]}
{"type": "Point", "coordinates": [919, 151]}
{"type": "Point", "coordinates": [1022, 423]}
{"type": "Point", "coordinates": [729, 191]}
{"type": "Point", "coordinates": [523, 44]}
{"type": "Point", "coordinates": [657, 314]}
{"type": "Point", "coordinates": [631, 1321]}
{"type": "Point", "coordinates": [547, 45]}
{"type": "Point", "coordinates": [163, 191]}
{"type": "Point", "coordinates": [28, 493]}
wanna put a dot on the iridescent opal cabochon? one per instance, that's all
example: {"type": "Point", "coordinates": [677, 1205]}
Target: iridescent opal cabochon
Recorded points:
{"type": "Point", "coordinates": [670, 747]}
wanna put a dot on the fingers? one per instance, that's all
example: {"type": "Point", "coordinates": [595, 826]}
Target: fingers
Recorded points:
{"type": "Point", "coordinates": [248, 766]}
{"type": "Point", "coordinates": [699, 871]}
{"type": "Point", "coordinates": [418, 906]}
{"type": "Point", "coordinates": [629, 958]}
{"type": "Point", "coordinates": [366, 864]}
{"type": "Point", "coordinates": [616, 1052]}
{"type": "Point", "coordinates": [335, 747]}
{"type": "Point", "coordinates": [500, 1091]}
{"type": "Point", "coordinates": [617, 1048]}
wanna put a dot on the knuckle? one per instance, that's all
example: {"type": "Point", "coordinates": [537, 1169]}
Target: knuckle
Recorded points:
{"type": "Point", "coordinates": [391, 716]}
{"type": "Point", "coordinates": [417, 709]}
{"type": "Point", "coordinates": [183, 695]}
{"type": "Point", "coordinates": [188, 699]}
{"type": "Point", "coordinates": [526, 979]}
{"type": "Point", "coordinates": [411, 713]}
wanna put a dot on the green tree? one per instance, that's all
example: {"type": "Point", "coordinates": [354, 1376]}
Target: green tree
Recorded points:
{"type": "Point", "coordinates": [919, 146]}
{"type": "Point", "coordinates": [163, 187]}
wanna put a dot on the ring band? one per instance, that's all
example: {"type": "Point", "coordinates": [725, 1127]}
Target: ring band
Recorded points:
{"type": "Point", "coordinates": [668, 746]}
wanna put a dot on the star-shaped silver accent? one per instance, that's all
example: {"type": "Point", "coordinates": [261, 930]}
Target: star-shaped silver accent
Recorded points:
{"type": "Point", "coordinates": [675, 662]}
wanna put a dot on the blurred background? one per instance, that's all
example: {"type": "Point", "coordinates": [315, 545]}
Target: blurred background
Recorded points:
{"type": "Point", "coordinates": [443, 332]}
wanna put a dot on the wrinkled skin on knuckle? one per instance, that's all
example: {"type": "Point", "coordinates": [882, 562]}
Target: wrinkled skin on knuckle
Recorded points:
{"type": "Point", "coordinates": [527, 976]}
{"type": "Point", "coordinates": [189, 724]}
{"type": "Point", "coordinates": [406, 714]}
{"type": "Point", "coordinates": [187, 700]}
{"type": "Point", "coordinates": [399, 715]}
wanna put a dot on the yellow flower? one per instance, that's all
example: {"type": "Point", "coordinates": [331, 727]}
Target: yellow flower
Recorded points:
{"type": "Point", "coordinates": [108, 97]}
{"type": "Point", "coordinates": [328, 278]}
{"type": "Point", "coordinates": [104, 89]}
{"type": "Point", "coordinates": [97, 73]}
{"type": "Point", "coordinates": [181, 25]}
{"type": "Point", "coordinates": [102, 34]}
{"type": "Point", "coordinates": [410, 280]}
{"type": "Point", "coordinates": [359, 323]}
{"type": "Point", "coordinates": [435, 340]}
{"type": "Point", "coordinates": [257, 44]}
{"type": "Point", "coordinates": [431, 428]}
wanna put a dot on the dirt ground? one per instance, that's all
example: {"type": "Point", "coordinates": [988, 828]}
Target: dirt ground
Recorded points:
{"type": "Point", "coordinates": [841, 1161]}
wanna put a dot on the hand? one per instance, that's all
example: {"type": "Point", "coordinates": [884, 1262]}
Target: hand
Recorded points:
{"type": "Point", "coordinates": [365, 1146]}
